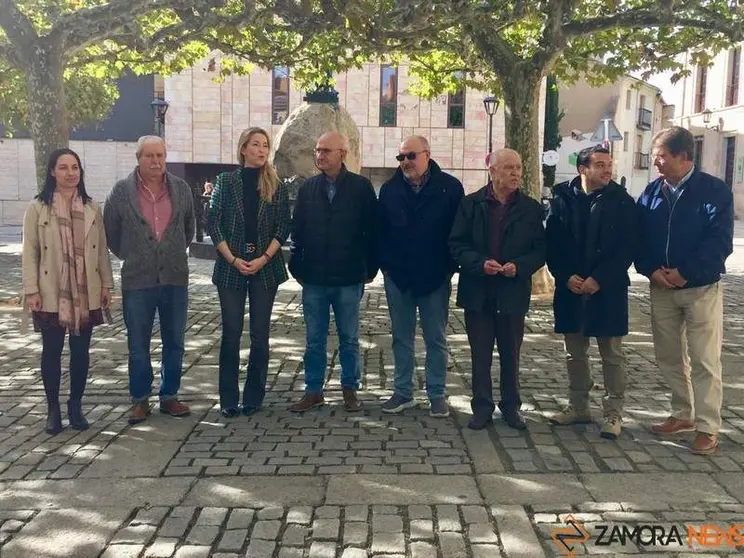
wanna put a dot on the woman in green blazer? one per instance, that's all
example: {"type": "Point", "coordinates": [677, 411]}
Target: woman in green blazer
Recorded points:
{"type": "Point", "coordinates": [248, 221]}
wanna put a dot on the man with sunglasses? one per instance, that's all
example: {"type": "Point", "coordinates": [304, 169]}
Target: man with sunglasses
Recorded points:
{"type": "Point", "coordinates": [499, 241]}
{"type": "Point", "coordinates": [334, 252]}
{"type": "Point", "coordinates": [417, 207]}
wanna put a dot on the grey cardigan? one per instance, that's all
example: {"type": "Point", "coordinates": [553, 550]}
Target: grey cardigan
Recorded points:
{"type": "Point", "coordinates": [147, 262]}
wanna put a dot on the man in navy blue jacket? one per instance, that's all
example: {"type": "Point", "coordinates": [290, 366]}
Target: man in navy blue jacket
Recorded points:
{"type": "Point", "coordinates": [417, 208]}
{"type": "Point", "coordinates": [687, 228]}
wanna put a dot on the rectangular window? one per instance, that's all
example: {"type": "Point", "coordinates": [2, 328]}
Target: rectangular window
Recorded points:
{"type": "Point", "coordinates": [388, 95]}
{"type": "Point", "coordinates": [698, 154]}
{"type": "Point", "coordinates": [701, 86]}
{"type": "Point", "coordinates": [628, 95]}
{"type": "Point", "coordinates": [642, 160]}
{"type": "Point", "coordinates": [732, 89]}
{"type": "Point", "coordinates": [279, 95]}
{"type": "Point", "coordinates": [625, 141]}
{"type": "Point", "coordinates": [641, 157]}
{"type": "Point", "coordinates": [456, 106]}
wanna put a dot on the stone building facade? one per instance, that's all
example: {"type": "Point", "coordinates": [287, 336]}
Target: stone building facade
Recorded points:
{"type": "Point", "coordinates": [205, 117]}
{"type": "Point", "coordinates": [710, 103]}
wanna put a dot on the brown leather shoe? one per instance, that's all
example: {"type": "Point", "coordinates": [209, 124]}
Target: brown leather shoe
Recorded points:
{"type": "Point", "coordinates": [308, 401]}
{"type": "Point", "coordinates": [174, 408]}
{"type": "Point", "coordinates": [140, 411]}
{"type": "Point", "coordinates": [673, 426]}
{"type": "Point", "coordinates": [351, 403]}
{"type": "Point", "coordinates": [704, 444]}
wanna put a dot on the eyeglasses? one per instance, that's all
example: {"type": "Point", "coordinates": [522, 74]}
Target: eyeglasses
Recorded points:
{"type": "Point", "coordinates": [324, 150]}
{"type": "Point", "coordinates": [411, 155]}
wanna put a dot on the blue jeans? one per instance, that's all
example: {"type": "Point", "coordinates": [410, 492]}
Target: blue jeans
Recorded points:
{"type": "Point", "coordinates": [139, 307]}
{"type": "Point", "coordinates": [433, 310]}
{"type": "Point", "coordinates": [317, 302]}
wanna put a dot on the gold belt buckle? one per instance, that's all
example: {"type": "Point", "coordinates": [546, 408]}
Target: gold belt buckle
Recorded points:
{"type": "Point", "coordinates": [250, 247]}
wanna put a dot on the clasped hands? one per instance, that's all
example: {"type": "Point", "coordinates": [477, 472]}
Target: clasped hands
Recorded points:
{"type": "Point", "coordinates": [668, 278]}
{"type": "Point", "coordinates": [252, 267]}
{"type": "Point", "coordinates": [492, 267]}
{"type": "Point", "coordinates": [578, 285]}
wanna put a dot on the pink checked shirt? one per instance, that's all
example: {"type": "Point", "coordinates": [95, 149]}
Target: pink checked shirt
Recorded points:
{"type": "Point", "coordinates": [157, 211]}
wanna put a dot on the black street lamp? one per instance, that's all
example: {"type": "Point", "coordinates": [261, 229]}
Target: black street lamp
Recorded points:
{"type": "Point", "coordinates": [159, 108]}
{"type": "Point", "coordinates": [491, 104]}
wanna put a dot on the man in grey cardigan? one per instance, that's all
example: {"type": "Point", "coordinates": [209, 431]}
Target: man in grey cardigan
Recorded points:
{"type": "Point", "coordinates": [149, 222]}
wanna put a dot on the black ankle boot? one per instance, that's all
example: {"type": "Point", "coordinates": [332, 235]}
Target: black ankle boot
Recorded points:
{"type": "Point", "coordinates": [75, 415]}
{"type": "Point", "coordinates": [54, 419]}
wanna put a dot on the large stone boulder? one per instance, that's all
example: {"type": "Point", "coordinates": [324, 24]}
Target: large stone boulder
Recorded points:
{"type": "Point", "coordinates": [293, 147]}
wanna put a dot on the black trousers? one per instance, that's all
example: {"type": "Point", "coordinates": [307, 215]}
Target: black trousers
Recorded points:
{"type": "Point", "coordinates": [52, 343]}
{"type": "Point", "coordinates": [232, 304]}
{"type": "Point", "coordinates": [507, 331]}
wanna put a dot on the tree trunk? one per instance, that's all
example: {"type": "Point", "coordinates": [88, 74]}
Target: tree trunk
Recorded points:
{"type": "Point", "coordinates": [46, 105]}
{"type": "Point", "coordinates": [522, 97]}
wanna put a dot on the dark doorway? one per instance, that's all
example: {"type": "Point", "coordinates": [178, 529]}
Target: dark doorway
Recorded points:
{"type": "Point", "coordinates": [730, 147]}
{"type": "Point", "coordinates": [196, 174]}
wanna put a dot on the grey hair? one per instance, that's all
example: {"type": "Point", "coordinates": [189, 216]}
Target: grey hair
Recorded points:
{"type": "Point", "coordinates": [144, 140]}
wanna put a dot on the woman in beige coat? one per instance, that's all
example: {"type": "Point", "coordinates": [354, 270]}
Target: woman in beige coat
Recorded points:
{"type": "Point", "coordinates": [67, 279]}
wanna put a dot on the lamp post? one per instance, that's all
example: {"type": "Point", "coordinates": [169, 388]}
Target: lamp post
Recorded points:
{"type": "Point", "coordinates": [159, 108]}
{"type": "Point", "coordinates": [707, 114]}
{"type": "Point", "coordinates": [491, 104]}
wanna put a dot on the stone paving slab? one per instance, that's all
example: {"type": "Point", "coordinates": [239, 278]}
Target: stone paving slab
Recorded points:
{"type": "Point", "coordinates": [652, 488]}
{"type": "Point", "coordinates": [82, 533]}
{"type": "Point", "coordinates": [367, 485]}
{"type": "Point", "coordinates": [532, 489]}
{"type": "Point", "coordinates": [127, 457]}
{"type": "Point", "coordinates": [256, 491]}
{"type": "Point", "coordinates": [402, 489]}
{"type": "Point", "coordinates": [92, 493]}
{"type": "Point", "coordinates": [733, 483]}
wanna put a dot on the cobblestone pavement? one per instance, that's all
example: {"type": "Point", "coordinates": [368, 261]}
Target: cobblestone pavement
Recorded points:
{"type": "Point", "coordinates": [328, 484]}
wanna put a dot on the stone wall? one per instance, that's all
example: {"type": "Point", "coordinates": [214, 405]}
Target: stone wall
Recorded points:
{"type": "Point", "coordinates": [104, 162]}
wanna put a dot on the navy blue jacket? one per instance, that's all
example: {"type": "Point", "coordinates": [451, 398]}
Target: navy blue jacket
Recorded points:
{"type": "Point", "coordinates": [414, 229]}
{"type": "Point", "coordinates": [592, 236]}
{"type": "Point", "coordinates": [695, 234]}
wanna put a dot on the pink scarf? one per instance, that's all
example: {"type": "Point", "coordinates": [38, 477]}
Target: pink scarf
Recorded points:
{"type": "Point", "coordinates": [73, 289]}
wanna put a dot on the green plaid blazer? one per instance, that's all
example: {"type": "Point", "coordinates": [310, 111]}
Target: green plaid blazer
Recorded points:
{"type": "Point", "coordinates": [226, 221]}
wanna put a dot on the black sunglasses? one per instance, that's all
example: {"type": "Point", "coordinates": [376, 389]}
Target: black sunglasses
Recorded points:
{"type": "Point", "coordinates": [411, 155]}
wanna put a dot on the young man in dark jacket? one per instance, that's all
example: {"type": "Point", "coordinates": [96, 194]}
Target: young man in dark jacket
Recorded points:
{"type": "Point", "coordinates": [687, 227]}
{"type": "Point", "coordinates": [498, 240]}
{"type": "Point", "coordinates": [417, 207]}
{"type": "Point", "coordinates": [334, 252]}
{"type": "Point", "coordinates": [591, 232]}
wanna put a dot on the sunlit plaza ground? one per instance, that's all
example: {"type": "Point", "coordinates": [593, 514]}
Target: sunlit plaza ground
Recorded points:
{"type": "Point", "coordinates": [328, 484]}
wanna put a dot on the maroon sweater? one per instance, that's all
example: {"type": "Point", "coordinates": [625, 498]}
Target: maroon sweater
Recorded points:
{"type": "Point", "coordinates": [497, 212]}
